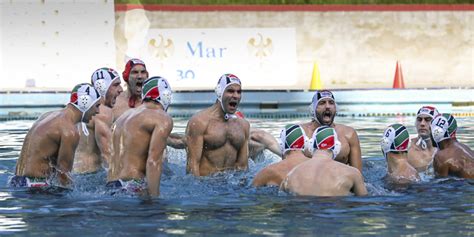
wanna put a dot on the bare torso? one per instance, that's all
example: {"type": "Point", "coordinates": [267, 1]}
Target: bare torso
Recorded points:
{"type": "Point", "coordinates": [41, 147]}
{"type": "Point", "coordinates": [324, 177]}
{"type": "Point", "coordinates": [274, 174]}
{"type": "Point", "coordinates": [402, 173]}
{"type": "Point", "coordinates": [420, 158]}
{"type": "Point", "coordinates": [456, 160]}
{"type": "Point", "coordinates": [132, 135]}
{"type": "Point", "coordinates": [216, 145]}
{"type": "Point", "coordinates": [121, 105]}
{"type": "Point", "coordinates": [88, 156]}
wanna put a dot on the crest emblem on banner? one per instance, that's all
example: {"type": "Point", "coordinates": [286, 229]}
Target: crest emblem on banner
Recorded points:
{"type": "Point", "coordinates": [260, 47]}
{"type": "Point", "coordinates": [161, 48]}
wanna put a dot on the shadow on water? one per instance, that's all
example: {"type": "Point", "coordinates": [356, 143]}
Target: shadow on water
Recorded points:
{"type": "Point", "coordinates": [226, 202]}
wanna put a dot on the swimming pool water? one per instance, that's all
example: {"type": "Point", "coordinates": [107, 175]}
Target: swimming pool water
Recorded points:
{"type": "Point", "coordinates": [227, 204]}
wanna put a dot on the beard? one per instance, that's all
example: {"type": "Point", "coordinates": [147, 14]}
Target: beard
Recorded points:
{"type": "Point", "coordinates": [320, 118]}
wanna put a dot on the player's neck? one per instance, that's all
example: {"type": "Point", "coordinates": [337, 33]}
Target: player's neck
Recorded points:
{"type": "Point", "coordinates": [322, 154]}
{"type": "Point", "coordinates": [315, 124]}
{"type": "Point", "coordinates": [217, 109]}
{"type": "Point", "coordinates": [294, 155]}
{"type": "Point", "coordinates": [427, 140]}
{"type": "Point", "coordinates": [153, 105]}
{"type": "Point", "coordinates": [446, 143]}
{"type": "Point", "coordinates": [73, 113]}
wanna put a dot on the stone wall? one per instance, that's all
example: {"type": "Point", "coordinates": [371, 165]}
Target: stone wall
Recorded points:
{"type": "Point", "coordinates": [354, 49]}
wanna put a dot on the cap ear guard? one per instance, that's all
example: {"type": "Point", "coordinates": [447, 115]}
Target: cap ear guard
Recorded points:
{"type": "Point", "coordinates": [101, 87]}
{"type": "Point", "coordinates": [337, 148]}
{"type": "Point", "coordinates": [282, 141]}
{"type": "Point", "coordinates": [218, 90]}
{"type": "Point", "coordinates": [83, 97]}
{"type": "Point", "coordinates": [166, 93]}
{"type": "Point", "coordinates": [102, 78]}
{"type": "Point", "coordinates": [386, 143]}
{"type": "Point", "coordinates": [157, 89]}
{"type": "Point", "coordinates": [395, 138]}
{"type": "Point", "coordinates": [292, 138]}
{"type": "Point", "coordinates": [439, 129]}
{"type": "Point", "coordinates": [452, 124]}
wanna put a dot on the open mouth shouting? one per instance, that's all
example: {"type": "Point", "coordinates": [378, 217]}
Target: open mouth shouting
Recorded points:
{"type": "Point", "coordinates": [138, 87]}
{"type": "Point", "coordinates": [327, 116]}
{"type": "Point", "coordinates": [233, 106]}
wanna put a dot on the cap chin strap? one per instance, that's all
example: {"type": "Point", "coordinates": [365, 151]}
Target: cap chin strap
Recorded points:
{"type": "Point", "coordinates": [227, 116]}
{"type": "Point", "coordinates": [83, 124]}
{"type": "Point", "coordinates": [422, 143]}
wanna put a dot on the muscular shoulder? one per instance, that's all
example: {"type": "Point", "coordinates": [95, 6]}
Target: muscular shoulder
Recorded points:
{"type": "Point", "coordinates": [353, 173]}
{"type": "Point", "coordinates": [121, 105]}
{"type": "Point", "coordinates": [347, 131]}
{"type": "Point", "coordinates": [198, 122]}
{"type": "Point", "coordinates": [68, 131]}
{"type": "Point", "coordinates": [150, 118]}
{"type": "Point", "coordinates": [163, 119]}
{"type": "Point", "coordinates": [54, 123]}
{"type": "Point", "coordinates": [441, 156]}
{"type": "Point", "coordinates": [245, 124]}
{"type": "Point", "coordinates": [105, 114]}
{"type": "Point", "coordinates": [104, 117]}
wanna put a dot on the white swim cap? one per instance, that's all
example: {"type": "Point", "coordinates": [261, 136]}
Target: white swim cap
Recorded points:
{"type": "Point", "coordinates": [157, 89]}
{"type": "Point", "coordinates": [318, 96]}
{"type": "Point", "coordinates": [439, 129]}
{"type": "Point", "coordinates": [83, 97]}
{"type": "Point", "coordinates": [292, 138]}
{"type": "Point", "coordinates": [325, 138]}
{"type": "Point", "coordinates": [102, 78]}
{"type": "Point", "coordinates": [395, 138]}
{"type": "Point", "coordinates": [225, 81]}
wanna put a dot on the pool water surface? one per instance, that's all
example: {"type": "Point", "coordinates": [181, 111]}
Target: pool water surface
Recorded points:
{"type": "Point", "coordinates": [227, 204]}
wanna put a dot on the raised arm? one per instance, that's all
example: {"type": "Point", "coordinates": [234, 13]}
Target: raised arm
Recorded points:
{"type": "Point", "coordinates": [103, 136]}
{"type": "Point", "coordinates": [355, 159]}
{"type": "Point", "coordinates": [65, 159]}
{"type": "Point", "coordinates": [195, 141]}
{"type": "Point", "coordinates": [243, 155]}
{"type": "Point", "coordinates": [161, 131]}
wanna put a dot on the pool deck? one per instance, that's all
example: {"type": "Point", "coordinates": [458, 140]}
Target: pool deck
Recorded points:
{"type": "Point", "coordinates": [373, 102]}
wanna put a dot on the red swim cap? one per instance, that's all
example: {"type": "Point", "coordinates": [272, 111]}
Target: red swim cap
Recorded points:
{"type": "Point", "coordinates": [128, 67]}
